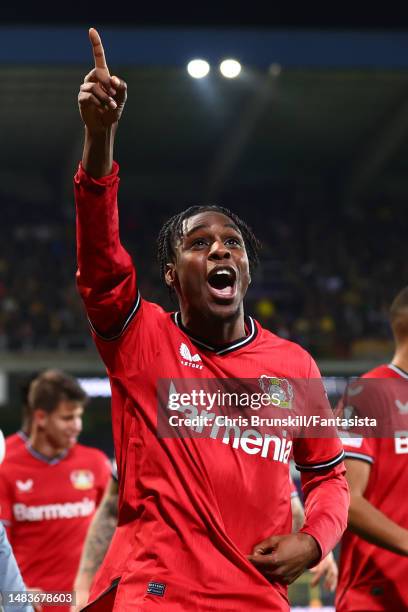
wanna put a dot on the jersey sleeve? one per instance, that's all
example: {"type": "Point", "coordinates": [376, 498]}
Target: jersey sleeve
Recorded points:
{"type": "Point", "coordinates": [311, 452]}
{"type": "Point", "coordinates": [106, 276]}
{"type": "Point", "coordinates": [324, 486]}
{"type": "Point", "coordinates": [363, 449]}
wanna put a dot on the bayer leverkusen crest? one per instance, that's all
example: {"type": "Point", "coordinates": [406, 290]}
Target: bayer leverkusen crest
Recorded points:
{"type": "Point", "coordinates": [82, 479]}
{"type": "Point", "coordinates": [279, 390]}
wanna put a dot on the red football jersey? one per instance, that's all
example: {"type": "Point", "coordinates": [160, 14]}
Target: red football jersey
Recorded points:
{"type": "Point", "coordinates": [370, 577]}
{"type": "Point", "coordinates": [193, 507]}
{"type": "Point", "coordinates": [120, 548]}
{"type": "Point", "coordinates": [15, 441]}
{"type": "Point", "coordinates": [47, 506]}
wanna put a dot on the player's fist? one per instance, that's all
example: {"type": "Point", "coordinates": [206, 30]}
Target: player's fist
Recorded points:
{"type": "Point", "coordinates": [283, 558]}
{"type": "Point", "coordinates": [101, 97]}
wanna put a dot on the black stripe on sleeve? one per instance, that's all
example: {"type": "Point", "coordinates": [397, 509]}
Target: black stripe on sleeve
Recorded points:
{"type": "Point", "coordinates": [324, 465]}
{"type": "Point", "coordinates": [128, 319]}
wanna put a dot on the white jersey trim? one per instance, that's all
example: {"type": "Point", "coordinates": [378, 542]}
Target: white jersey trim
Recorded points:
{"type": "Point", "coordinates": [361, 456]}
{"type": "Point", "coordinates": [44, 458]}
{"type": "Point", "coordinates": [311, 467]}
{"type": "Point", "coordinates": [217, 350]}
{"type": "Point", "coordinates": [125, 325]}
{"type": "Point", "coordinates": [397, 370]}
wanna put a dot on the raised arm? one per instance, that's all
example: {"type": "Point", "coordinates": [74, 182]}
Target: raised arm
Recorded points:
{"type": "Point", "coordinates": [106, 276]}
{"type": "Point", "coordinates": [101, 100]}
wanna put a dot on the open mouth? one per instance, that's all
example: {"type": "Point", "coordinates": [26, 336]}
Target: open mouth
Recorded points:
{"type": "Point", "coordinates": [222, 282]}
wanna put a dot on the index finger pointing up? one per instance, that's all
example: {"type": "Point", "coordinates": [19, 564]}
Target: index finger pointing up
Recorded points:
{"type": "Point", "coordinates": [97, 48]}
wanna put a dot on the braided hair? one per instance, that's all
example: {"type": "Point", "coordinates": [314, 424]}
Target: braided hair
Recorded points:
{"type": "Point", "coordinates": [172, 231]}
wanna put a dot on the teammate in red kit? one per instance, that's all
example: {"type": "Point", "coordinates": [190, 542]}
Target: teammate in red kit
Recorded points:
{"type": "Point", "coordinates": [50, 488]}
{"type": "Point", "coordinates": [208, 521]}
{"type": "Point", "coordinates": [374, 551]}
{"type": "Point", "coordinates": [16, 441]}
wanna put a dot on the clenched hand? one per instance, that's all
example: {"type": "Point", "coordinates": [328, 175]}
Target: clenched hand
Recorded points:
{"type": "Point", "coordinates": [283, 558]}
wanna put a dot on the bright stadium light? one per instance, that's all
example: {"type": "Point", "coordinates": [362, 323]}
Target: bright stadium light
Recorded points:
{"type": "Point", "coordinates": [198, 68]}
{"type": "Point", "coordinates": [230, 68]}
{"type": "Point", "coordinates": [275, 69]}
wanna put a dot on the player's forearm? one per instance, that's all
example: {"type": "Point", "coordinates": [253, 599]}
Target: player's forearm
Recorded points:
{"type": "Point", "coordinates": [326, 506]}
{"type": "Point", "coordinates": [371, 524]}
{"type": "Point", "coordinates": [97, 541]}
{"type": "Point", "coordinates": [106, 276]}
{"type": "Point", "coordinates": [97, 154]}
{"type": "Point", "coordinates": [298, 515]}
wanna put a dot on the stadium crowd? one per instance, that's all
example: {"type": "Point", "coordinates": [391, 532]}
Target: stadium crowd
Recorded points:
{"type": "Point", "coordinates": [325, 281]}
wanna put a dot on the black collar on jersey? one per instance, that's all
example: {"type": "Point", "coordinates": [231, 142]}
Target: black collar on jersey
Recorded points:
{"type": "Point", "coordinates": [398, 370]}
{"type": "Point", "coordinates": [44, 458]}
{"type": "Point", "coordinates": [220, 349]}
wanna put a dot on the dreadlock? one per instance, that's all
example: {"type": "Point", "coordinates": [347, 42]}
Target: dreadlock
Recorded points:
{"type": "Point", "coordinates": [172, 231]}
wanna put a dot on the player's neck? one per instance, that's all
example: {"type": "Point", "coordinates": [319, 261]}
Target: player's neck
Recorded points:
{"type": "Point", "coordinates": [214, 330]}
{"type": "Point", "coordinates": [400, 358]}
{"type": "Point", "coordinates": [42, 445]}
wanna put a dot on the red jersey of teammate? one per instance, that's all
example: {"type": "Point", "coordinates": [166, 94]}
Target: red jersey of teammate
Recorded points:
{"type": "Point", "coordinates": [47, 506]}
{"type": "Point", "coordinates": [195, 507]}
{"type": "Point", "coordinates": [370, 577]}
{"type": "Point", "coordinates": [15, 441]}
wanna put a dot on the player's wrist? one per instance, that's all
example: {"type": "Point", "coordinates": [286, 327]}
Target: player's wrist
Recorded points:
{"type": "Point", "coordinates": [83, 581]}
{"type": "Point", "coordinates": [311, 549]}
{"type": "Point", "coordinates": [100, 133]}
{"type": "Point", "coordinates": [404, 545]}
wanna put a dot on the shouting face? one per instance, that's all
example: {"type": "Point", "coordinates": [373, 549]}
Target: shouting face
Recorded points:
{"type": "Point", "coordinates": [211, 271]}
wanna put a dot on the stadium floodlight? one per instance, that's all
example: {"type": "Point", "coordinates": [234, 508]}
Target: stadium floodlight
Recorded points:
{"type": "Point", "coordinates": [230, 68]}
{"type": "Point", "coordinates": [198, 68]}
{"type": "Point", "coordinates": [275, 69]}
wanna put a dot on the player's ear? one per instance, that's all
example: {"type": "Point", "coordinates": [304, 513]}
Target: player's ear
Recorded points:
{"type": "Point", "coordinates": [39, 416]}
{"type": "Point", "coordinates": [170, 275]}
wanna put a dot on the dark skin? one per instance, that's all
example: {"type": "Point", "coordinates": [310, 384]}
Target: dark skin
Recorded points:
{"type": "Point", "coordinates": [366, 520]}
{"type": "Point", "coordinates": [209, 240]}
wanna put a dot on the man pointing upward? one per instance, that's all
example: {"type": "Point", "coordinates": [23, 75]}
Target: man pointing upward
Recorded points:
{"type": "Point", "coordinates": [204, 524]}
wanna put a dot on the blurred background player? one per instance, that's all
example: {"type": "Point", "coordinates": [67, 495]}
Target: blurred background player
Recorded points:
{"type": "Point", "coordinates": [50, 488]}
{"type": "Point", "coordinates": [374, 549]}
